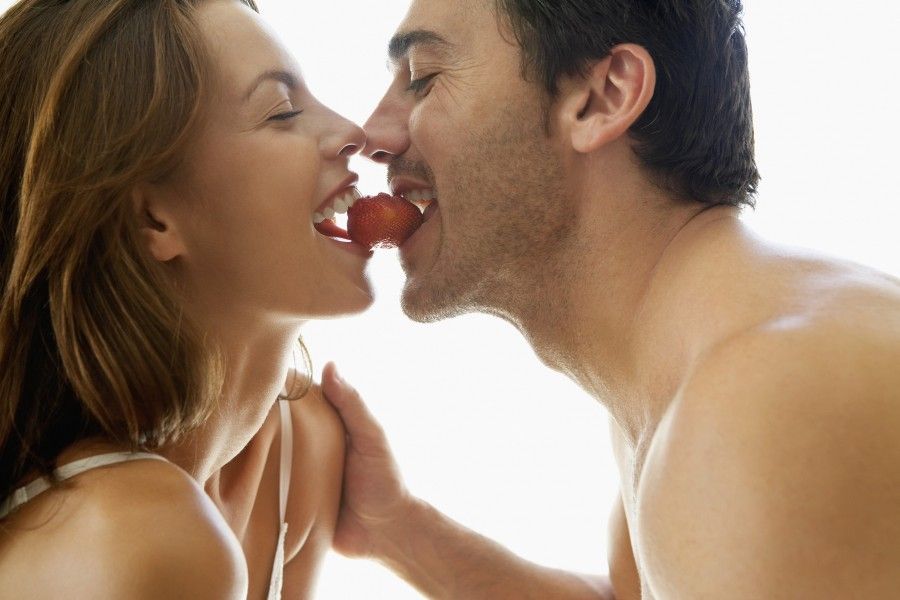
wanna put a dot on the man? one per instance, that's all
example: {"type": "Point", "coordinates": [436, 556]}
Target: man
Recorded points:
{"type": "Point", "coordinates": [589, 160]}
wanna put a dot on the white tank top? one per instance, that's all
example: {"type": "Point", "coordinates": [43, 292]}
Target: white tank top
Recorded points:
{"type": "Point", "coordinates": [27, 492]}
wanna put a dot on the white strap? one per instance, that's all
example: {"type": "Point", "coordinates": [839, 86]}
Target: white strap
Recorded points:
{"type": "Point", "coordinates": [277, 578]}
{"type": "Point", "coordinates": [39, 486]}
{"type": "Point", "coordinates": [284, 480]}
{"type": "Point", "coordinates": [287, 453]}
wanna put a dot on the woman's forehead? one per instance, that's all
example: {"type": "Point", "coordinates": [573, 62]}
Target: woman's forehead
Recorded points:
{"type": "Point", "coordinates": [242, 46]}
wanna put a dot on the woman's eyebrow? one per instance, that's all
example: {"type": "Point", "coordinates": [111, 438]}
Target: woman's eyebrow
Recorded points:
{"type": "Point", "coordinates": [288, 79]}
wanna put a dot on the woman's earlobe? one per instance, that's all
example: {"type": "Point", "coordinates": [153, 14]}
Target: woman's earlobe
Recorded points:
{"type": "Point", "coordinates": [158, 232]}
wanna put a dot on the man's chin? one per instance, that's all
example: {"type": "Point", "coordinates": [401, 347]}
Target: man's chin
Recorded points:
{"type": "Point", "coordinates": [417, 306]}
{"type": "Point", "coordinates": [427, 304]}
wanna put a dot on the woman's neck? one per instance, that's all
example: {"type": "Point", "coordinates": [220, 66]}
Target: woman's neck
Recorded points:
{"type": "Point", "coordinates": [255, 373]}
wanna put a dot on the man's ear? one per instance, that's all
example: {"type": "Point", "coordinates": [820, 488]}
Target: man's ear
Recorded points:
{"type": "Point", "coordinates": [600, 107]}
{"type": "Point", "coordinates": [157, 224]}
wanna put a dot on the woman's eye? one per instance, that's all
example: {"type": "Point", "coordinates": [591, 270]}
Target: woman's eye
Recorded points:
{"type": "Point", "coordinates": [285, 116]}
{"type": "Point", "coordinates": [418, 86]}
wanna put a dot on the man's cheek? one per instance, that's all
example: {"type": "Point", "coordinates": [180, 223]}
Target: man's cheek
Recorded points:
{"type": "Point", "coordinates": [429, 137]}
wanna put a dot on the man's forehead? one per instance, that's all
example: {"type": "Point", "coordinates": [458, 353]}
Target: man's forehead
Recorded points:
{"type": "Point", "coordinates": [454, 21]}
{"type": "Point", "coordinates": [440, 8]}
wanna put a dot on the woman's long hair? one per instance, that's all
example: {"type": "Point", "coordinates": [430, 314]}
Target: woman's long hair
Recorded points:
{"type": "Point", "coordinates": [96, 97]}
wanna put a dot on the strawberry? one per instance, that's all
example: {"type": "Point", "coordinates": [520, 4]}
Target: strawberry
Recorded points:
{"type": "Point", "coordinates": [382, 221]}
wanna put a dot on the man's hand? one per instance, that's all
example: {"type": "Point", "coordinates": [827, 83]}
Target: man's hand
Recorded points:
{"type": "Point", "coordinates": [374, 496]}
{"type": "Point", "coordinates": [379, 519]}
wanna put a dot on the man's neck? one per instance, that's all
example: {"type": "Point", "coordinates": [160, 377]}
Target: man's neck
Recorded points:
{"type": "Point", "coordinates": [609, 330]}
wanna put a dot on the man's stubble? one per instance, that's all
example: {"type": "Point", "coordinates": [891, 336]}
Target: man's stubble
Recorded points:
{"type": "Point", "coordinates": [508, 223]}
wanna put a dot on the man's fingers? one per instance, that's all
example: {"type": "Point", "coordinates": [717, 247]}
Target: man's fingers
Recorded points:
{"type": "Point", "coordinates": [364, 431]}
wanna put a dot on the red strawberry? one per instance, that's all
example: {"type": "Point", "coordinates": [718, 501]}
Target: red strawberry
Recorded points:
{"type": "Point", "coordinates": [383, 221]}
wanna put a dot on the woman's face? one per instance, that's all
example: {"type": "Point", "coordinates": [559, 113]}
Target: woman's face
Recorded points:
{"type": "Point", "coordinates": [266, 159]}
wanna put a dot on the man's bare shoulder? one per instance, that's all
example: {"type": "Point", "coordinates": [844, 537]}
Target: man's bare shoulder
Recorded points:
{"type": "Point", "coordinates": [776, 472]}
{"type": "Point", "coordinates": [730, 281]}
{"type": "Point", "coordinates": [152, 533]}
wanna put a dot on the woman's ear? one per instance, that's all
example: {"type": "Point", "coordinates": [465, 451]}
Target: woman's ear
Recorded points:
{"type": "Point", "coordinates": [157, 224]}
{"type": "Point", "coordinates": [601, 106]}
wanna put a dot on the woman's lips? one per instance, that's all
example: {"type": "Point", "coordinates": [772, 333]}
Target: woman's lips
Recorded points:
{"type": "Point", "coordinates": [333, 232]}
{"type": "Point", "coordinates": [352, 247]}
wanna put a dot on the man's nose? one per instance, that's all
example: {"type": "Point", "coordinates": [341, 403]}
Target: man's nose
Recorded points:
{"type": "Point", "coordinates": [387, 131]}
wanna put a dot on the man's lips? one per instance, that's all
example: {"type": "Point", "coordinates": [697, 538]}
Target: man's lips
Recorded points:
{"type": "Point", "coordinates": [423, 243]}
{"type": "Point", "coordinates": [429, 212]}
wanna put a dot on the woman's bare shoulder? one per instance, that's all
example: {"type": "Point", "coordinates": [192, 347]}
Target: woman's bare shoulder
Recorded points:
{"type": "Point", "coordinates": [316, 479]}
{"type": "Point", "coordinates": [165, 538]}
{"type": "Point", "coordinates": [319, 441]}
{"type": "Point", "coordinates": [184, 546]}
{"type": "Point", "coordinates": [135, 530]}
{"type": "Point", "coordinates": [319, 444]}
{"type": "Point", "coordinates": [314, 410]}
{"type": "Point", "coordinates": [149, 492]}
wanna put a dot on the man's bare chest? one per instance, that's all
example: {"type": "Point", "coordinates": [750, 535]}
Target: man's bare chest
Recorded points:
{"type": "Point", "coordinates": [629, 544]}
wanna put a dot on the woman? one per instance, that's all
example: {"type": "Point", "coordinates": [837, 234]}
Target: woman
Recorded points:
{"type": "Point", "coordinates": [160, 166]}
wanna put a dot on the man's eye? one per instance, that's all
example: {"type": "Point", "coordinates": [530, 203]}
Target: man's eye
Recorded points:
{"type": "Point", "coordinates": [285, 116]}
{"type": "Point", "coordinates": [417, 86]}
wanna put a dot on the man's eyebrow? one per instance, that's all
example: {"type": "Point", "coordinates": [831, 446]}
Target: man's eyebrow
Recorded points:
{"type": "Point", "coordinates": [288, 79]}
{"type": "Point", "coordinates": [401, 43]}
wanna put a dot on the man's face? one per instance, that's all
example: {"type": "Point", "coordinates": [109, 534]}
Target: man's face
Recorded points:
{"type": "Point", "coordinates": [460, 122]}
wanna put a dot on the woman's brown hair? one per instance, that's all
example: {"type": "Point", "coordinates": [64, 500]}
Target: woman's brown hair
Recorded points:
{"type": "Point", "coordinates": [96, 98]}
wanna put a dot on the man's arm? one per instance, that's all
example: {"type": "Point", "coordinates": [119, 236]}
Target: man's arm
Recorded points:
{"type": "Point", "coordinates": [380, 520]}
{"type": "Point", "coordinates": [443, 559]}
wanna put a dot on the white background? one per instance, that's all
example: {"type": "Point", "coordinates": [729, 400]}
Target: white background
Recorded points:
{"type": "Point", "coordinates": [481, 429]}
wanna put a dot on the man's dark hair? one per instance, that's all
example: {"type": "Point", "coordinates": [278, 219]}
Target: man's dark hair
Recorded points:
{"type": "Point", "coordinates": [696, 135]}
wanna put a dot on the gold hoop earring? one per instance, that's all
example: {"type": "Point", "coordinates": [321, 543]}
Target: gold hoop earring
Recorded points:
{"type": "Point", "coordinates": [309, 371]}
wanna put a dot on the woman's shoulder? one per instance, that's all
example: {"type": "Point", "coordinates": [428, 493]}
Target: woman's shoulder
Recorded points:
{"type": "Point", "coordinates": [107, 492]}
{"type": "Point", "coordinates": [318, 449]}
{"type": "Point", "coordinates": [319, 439]}
{"type": "Point", "coordinates": [173, 537]}
{"type": "Point", "coordinates": [133, 529]}
{"type": "Point", "coordinates": [317, 473]}
{"type": "Point", "coordinates": [146, 491]}
{"type": "Point", "coordinates": [313, 411]}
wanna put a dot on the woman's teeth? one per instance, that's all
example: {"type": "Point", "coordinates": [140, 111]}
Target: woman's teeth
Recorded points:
{"type": "Point", "coordinates": [340, 206]}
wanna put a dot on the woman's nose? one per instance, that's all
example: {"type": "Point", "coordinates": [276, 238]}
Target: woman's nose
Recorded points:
{"type": "Point", "coordinates": [347, 139]}
{"type": "Point", "coordinates": [356, 140]}
{"type": "Point", "coordinates": [387, 130]}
